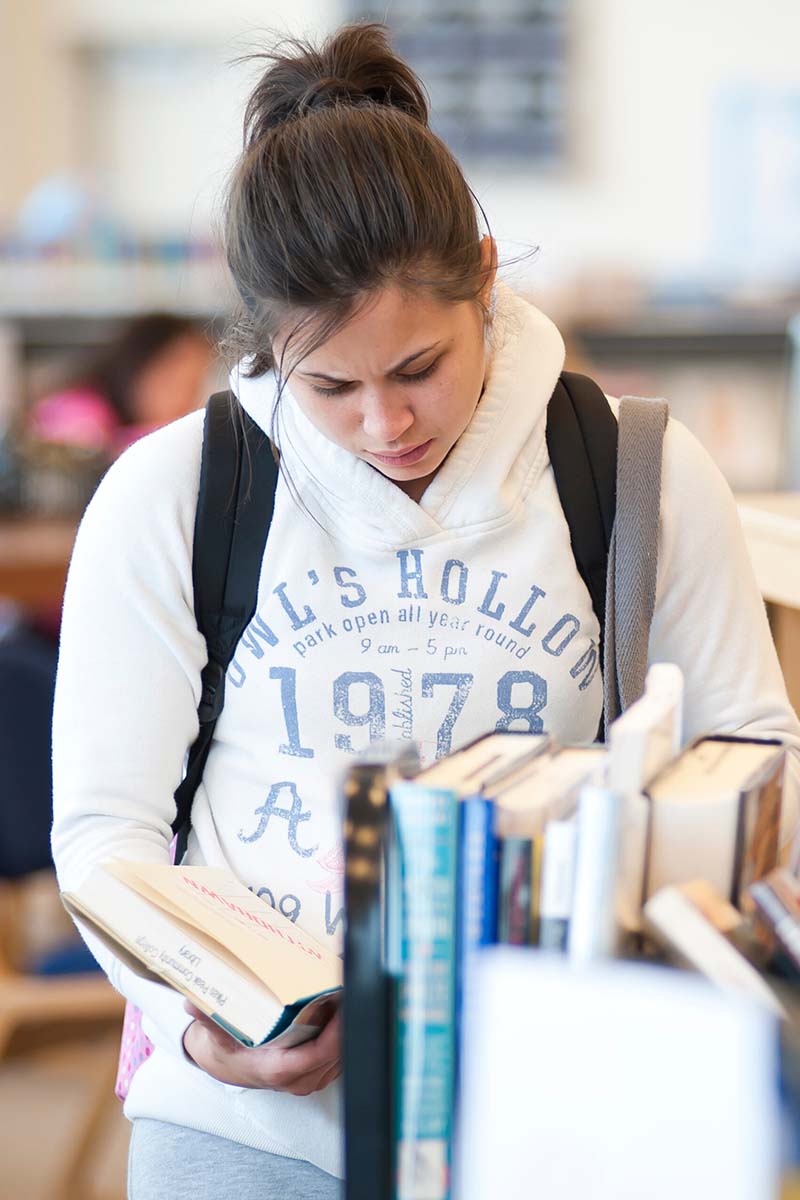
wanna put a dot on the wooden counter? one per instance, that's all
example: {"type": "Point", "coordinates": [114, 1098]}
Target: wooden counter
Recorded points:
{"type": "Point", "coordinates": [34, 556]}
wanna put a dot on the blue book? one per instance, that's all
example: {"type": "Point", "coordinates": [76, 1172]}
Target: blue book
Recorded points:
{"type": "Point", "coordinates": [426, 845]}
{"type": "Point", "coordinates": [479, 866]}
{"type": "Point", "coordinates": [479, 874]}
{"type": "Point", "coordinates": [424, 884]}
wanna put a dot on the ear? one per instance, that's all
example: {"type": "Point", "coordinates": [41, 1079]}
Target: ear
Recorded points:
{"type": "Point", "coordinates": [488, 267]}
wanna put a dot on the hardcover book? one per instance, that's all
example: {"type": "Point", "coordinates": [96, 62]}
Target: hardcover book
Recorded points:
{"type": "Point", "coordinates": [425, 947]}
{"type": "Point", "coordinates": [715, 815]}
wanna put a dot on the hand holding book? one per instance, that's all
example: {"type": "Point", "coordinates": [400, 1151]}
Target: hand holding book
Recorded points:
{"type": "Point", "coordinates": [301, 1070]}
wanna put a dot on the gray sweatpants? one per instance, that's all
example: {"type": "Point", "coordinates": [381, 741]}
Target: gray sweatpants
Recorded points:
{"type": "Point", "coordinates": [170, 1162]}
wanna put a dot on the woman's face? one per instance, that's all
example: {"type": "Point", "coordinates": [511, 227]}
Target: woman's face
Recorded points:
{"type": "Point", "coordinates": [398, 384]}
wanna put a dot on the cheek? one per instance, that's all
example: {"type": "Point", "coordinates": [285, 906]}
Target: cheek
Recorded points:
{"type": "Point", "coordinates": [332, 418]}
{"type": "Point", "coordinates": [457, 397]}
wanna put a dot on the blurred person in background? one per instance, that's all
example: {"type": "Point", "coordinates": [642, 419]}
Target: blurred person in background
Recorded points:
{"type": "Point", "coordinates": [152, 372]}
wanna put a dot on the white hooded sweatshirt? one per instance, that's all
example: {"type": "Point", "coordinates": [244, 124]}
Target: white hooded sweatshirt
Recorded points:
{"type": "Point", "coordinates": [377, 617]}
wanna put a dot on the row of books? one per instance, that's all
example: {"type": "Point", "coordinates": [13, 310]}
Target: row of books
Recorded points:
{"type": "Point", "coordinates": [536, 822]}
{"type": "Point", "coordinates": [581, 851]}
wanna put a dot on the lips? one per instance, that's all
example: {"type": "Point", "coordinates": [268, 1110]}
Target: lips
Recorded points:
{"type": "Point", "coordinates": [407, 458]}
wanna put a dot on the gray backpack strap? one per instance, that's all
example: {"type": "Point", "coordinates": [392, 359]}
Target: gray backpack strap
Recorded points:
{"type": "Point", "coordinates": [633, 554]}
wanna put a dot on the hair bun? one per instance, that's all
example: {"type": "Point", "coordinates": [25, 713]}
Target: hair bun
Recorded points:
{"type": "Point", "coordinates": [327, 92]}
{"type": "Point", "coordinates": [355, 66]}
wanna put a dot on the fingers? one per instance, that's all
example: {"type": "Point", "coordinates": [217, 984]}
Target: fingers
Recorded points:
{"type": "Point", "coordinates": [290, 1076]}
{"type": "Point", "coordinates": [311, 1056]}
{"type": "Point", "coordinates": [315, 1081]}
{"type": "Point", "coordinates": [299, 1070]}
{"type": "Point", "coordinates": [331, 1034]}
{"type": "Point", "coordinates": [306, 1068]}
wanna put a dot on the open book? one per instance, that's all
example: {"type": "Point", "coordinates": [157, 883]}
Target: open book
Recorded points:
{"type": "Point", "coordinates": [205, 934]}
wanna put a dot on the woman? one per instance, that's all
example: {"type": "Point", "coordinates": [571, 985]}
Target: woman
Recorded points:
{"type": "Point", "coordinates": [418, 579]}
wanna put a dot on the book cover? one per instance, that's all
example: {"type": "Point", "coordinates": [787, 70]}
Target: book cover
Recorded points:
{"type": "Point", "coordinates": [516, 883]}
{"type": "Point", "coordinates": [479, 874]}
{"type": "Point", "coordinates": [558, 880]}
{"type": "Point", "coordinates": [203, 933]}
{"type": "Point", "coordinates": [715, 815]}
{"type": "Point", "coordinates": [641, 743]}
{"type": "Point", "coordinates": [471, 774]}
{"type": "Point", "coordinates": [426, 840]}
{"type": "Point", "coordinates": [594, 921]}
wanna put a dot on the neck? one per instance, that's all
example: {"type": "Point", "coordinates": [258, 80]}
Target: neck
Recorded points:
{"type": "Point", "coordinates": [415, 488]}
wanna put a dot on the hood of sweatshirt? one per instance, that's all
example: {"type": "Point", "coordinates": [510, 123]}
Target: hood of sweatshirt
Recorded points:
{"type": "Point", "coordinates": [489, 471]}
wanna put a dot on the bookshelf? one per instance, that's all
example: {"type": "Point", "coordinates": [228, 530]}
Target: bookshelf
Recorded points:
{"type": "Point", "coordinates": [724, 372]}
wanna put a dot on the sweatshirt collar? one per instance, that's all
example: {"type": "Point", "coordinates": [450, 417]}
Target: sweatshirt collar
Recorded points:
{"type": "Point", "coordinates": [481, 482]}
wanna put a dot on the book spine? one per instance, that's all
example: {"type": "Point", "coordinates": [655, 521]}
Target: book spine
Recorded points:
{"type": "Point", "coordinates": [779, 920]}
{"type": "Point", "coordinates": [593, 927]}
{"type": "Point", "coordinates": [558, 876]}
{"type": "Point", "coordinates": [514, 918]}
{"type": "Point", "coordinates": [367, 999]}
{"type": "Point", "coordinates": [537, 860]}
{"type": "Point", "coordinates": [479, 874]}
{"type": "Point", "coordinates": [757, 848]}
{"type": "Point", "coordinates": [427, 825]}
{"type": "Point", "coordinates": [477, 893]}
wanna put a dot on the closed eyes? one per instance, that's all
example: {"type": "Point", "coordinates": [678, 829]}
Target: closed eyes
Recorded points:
{"type": "Point", "coordinates": [417, 377]}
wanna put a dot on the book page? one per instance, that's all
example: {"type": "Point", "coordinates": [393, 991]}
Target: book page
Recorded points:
{"type": "Point", "coordinates": [155, 945]}
{"type": "Point", "coordinates": [292, 963]}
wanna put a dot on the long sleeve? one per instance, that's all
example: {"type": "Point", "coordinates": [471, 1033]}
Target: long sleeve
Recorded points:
{"type": "Point", "coordinates": [710, 618]}
{"type": "Point", "coordinates": [128, 681]}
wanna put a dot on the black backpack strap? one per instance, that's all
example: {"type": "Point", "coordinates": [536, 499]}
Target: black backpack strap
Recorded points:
{"type": "Point", "coordinates": [238, 478]}
{"type": "Point", "coordinates": [582, 444]}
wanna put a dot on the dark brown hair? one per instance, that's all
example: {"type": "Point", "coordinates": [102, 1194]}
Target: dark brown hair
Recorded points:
{"type": "Point", "coordinates": [341, 188]}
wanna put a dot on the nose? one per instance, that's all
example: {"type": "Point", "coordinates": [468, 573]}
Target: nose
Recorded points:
{"type": "Point", "coordinates": [384, 420]}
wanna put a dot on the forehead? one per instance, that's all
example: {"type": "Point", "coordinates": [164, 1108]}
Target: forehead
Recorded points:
{"type": "Point", "coordinates": [390, 325]}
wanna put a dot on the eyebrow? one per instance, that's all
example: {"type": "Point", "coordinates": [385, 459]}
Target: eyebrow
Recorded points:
{"type": "Point", "coordinates": [392, 370]}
